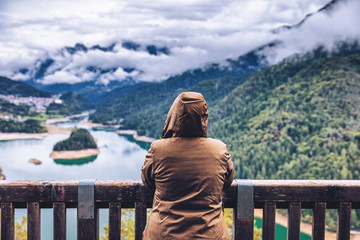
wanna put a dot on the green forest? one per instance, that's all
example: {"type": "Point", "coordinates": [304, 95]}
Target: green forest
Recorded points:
{"type": "Point", "coordinates": [295, 122]}
{"type": "Point", "coordinates": [79, 139]}
{"type": "Point", "coordinates": [72, 104]}
{"type": "Point", "coordinates": [16, 110]}
{"type": "Point", "coordinates": [11, 87]}
{"type": "Point", "coordinates": [28, 126]}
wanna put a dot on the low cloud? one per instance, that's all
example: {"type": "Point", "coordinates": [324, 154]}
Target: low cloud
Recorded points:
{"type": "Point", "coordinates": [325, 29]}
{"type": "Point", "coordinates": [195, 33]}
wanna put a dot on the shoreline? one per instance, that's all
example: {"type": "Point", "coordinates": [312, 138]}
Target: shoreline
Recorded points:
{"type": "Point", "coordinates": [51, 129]}
{"type": "Point", "coordinates": [136, 136]}
{"type": "Point", "coordinates": [74, 154]}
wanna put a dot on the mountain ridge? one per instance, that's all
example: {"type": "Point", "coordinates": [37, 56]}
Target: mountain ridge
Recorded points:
{"type": "Point", "coordinates": [11, 87]}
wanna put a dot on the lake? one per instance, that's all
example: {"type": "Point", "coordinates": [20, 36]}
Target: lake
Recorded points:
{"type": "Point", "coordinates": [121, 157]}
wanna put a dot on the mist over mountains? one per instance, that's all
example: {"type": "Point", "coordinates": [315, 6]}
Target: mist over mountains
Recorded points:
{"type": "Point", "coordinates": [118, 63]}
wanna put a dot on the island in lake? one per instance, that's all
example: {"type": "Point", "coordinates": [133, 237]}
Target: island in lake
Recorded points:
{"type": "Point", "coordinates": [80, 144]}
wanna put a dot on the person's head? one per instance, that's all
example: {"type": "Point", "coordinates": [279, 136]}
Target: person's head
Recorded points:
{"type": "Point", "coordinates": [187, 117]}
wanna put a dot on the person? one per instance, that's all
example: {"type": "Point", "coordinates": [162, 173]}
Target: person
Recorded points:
{"type": "Point", "coordinates": [188, 173]}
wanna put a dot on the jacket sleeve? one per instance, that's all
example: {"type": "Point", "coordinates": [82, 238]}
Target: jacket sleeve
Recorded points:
{"type": "Point", "coordinates": [147, 171]}
{"type": "Point", "coordinates": [230, 171]}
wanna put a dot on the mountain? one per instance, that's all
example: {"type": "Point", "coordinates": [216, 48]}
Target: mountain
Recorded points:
{"type": "Point", "coordinates": [327, 9]}
{"type": "Point", "coordinates": [11, 87]}
{"type": "Point", "coordinates": [295, 120]}
{"type": "Point", "coordinates": [118, 92]}
{"type": "Point", "coordinates": [139, 103]}
{"type": "Point", "coordinates": [89, 89]}
{"type": "Point", "coordinates": [92, 88]}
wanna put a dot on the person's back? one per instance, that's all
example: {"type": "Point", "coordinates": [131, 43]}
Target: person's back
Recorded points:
{"type": "Point", "coordinates": [189, 173]}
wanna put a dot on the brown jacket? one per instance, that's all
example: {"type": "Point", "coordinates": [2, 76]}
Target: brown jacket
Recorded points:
{"type": "Point", "coordinates": [188, 172]}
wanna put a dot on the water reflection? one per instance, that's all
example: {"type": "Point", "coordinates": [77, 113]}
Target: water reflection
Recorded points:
{"type": "Point", "coordinates": [143, 145]}
{"type": "Point", "coordinates": [76, 161]}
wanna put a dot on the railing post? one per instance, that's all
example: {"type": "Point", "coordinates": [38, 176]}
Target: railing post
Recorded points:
{"type": "Point", "coordinates": [33, 221]}
{"type": "Point", "coordinates": [318, 222]}
{"type": "Point", "coordinates": [269, 212]}
{"type": "Point", "coordinates": [87, 216]}
{"type": "Point", "coordinates": [114, 221]}
{"type": "Point", "coordinates": [343, 221]}
{"type": "Point", "coordinates": [140, 219]}
{"type": "Point", "coordinates": [294, 220]}
{"type": "Point", "coordinates": [59, 217]}
{"type": "Point", "coordinates": [7, 221]}
{"type": "Point", "coordinates": [243, 213]}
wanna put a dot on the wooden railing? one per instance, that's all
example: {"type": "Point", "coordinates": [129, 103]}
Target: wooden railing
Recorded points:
{"type": "Point", "coordinates": [268, 195]}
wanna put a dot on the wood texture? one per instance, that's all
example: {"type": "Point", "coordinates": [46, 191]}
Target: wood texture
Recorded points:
{"type": "Point", "coordinates": [318, 195]}
{"type": "Point", "coordinates": [294, 221]}
{"type": "Point", "coordinates": [268, 230]}
{"type": "Point", "coordinates": [59, 224]}
{"type": "Point", "coordinates": [33, 221]}
{"type": "Point", "coordinates": [7, 221]}
{"type": "Point", "coordinates": [114, 221]}
{"type": "Point", "coordinates": [279, 191]}
{"type": "Point", "coordinates": [243, 229]}
{"type": "Point", "coordinates": [88, 229]}
{"type": "Point", "coordinates": [140, 219]}
{"type": "Point", "coordinates": [343, 223]}
{"type": "Point", "coordinates": [318, 221]}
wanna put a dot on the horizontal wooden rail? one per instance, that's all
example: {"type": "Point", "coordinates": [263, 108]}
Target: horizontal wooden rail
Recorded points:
{"type": "Point", "coordinates": [269, 195]}
{"type": "Point", "coordinates": [277, 191]}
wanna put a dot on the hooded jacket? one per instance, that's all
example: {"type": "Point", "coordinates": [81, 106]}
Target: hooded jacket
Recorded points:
{"type": "Point", "coordinates": [188, 173]}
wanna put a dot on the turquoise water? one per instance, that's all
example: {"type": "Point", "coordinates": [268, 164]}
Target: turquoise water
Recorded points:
{"type": "Point", "coordinates": [119, 158]}
{"type": "Point", "coordinates": [280, 231]}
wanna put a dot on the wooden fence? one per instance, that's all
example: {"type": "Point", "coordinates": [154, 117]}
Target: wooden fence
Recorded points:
{"type": "Point", "coordinates": [88, 197]}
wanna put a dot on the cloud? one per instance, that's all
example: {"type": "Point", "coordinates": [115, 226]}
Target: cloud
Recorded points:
{"type": "Point", "coordinates": [61, 77]}
{"type": "Point", "coordinates": [196, 32]}
{"type": "Point", "coordinates": [326, 29]}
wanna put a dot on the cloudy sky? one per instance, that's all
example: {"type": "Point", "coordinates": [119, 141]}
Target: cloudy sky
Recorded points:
{"type": "Point", "coordinates": [196, 32]}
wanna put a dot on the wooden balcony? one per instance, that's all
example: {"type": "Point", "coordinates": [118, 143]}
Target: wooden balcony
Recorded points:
{"type": "Point", "coordinates": [88, 197]}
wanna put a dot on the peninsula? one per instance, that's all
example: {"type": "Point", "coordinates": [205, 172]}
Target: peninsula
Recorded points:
{"type": "Point", "coordinates": [80, 144]}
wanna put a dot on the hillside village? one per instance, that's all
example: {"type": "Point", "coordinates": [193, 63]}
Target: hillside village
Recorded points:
{"type": "Point", "coordinates": [36, 104]}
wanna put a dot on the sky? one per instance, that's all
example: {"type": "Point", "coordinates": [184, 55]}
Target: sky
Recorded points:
{"type": "Point", "coordinates": [196, 33]}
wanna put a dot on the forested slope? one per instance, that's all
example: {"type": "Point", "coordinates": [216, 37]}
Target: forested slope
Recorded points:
{"type": "Point", "coordinates": [72, 103]}
{"type": "Point", "coordinates": [11, 87]}
{"type": "Point", "coordinates": [295, 120]}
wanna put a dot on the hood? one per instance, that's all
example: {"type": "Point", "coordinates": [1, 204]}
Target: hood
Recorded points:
{"type": "Point", "coordinates": [187, 117]}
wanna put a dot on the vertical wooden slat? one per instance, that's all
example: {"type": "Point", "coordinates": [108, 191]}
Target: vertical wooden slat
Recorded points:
{"type": "Point", "coordinates": [33, 221]}
{"type": "Point", "coordinates": [7, 221]}
{"type": "Point", "coordinates": [268, 231]}
{"type": "Point", "coordinates": [236, 226]}
{"type": "Point", "coordinates": [243, 229]}
{"type": "Point", "coordinates": [294, 221]}
{"type": "Point", "coordinates": [114, 221]}
{"type": "Point", "coordinates": [343, 221]}
{"type": "Point", "coordinates": [59, 218]}
{"type": "Point", "coordinates": [318, 222]}
{"type": "Point", "coordinates": [88, 229]}
{"type": "Point", "coordinates": [140, 219]}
